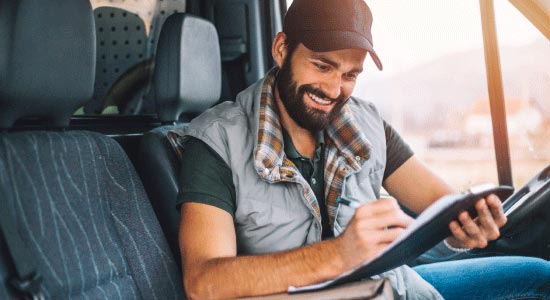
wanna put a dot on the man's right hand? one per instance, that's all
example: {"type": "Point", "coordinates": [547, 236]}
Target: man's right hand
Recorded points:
{"type": "Point", "coordinates": [212, 269]}
{"type": "Point", "coordinates": [373, 227]}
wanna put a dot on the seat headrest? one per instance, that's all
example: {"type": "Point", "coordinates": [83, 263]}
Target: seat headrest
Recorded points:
{"type": "Point", "coordinates": [187, 76]}
{"type": "Point", "coordinates": [47, 59]}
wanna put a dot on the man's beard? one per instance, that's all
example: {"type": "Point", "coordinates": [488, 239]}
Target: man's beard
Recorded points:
{"type": "Point", "coordinates": [292, 97]}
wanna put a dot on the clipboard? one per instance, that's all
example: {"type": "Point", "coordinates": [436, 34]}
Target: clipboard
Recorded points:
{"type": "Point", "coordinates": [428, 229]}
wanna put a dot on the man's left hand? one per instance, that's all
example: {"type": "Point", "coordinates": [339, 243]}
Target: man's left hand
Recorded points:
{"type": "Point", "coordinates": [476, 233]}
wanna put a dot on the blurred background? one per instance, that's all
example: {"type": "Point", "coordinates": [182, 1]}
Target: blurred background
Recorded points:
{"type": "Point", "coordinates": [433, 88]}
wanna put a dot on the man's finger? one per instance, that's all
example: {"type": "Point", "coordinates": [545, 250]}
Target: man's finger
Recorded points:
{"type": "Point", "coordinates": [378, 206]}
{"type": "Point", "coordinates": [495, 206]}
{"type": "Point", "coordinates": [488, 226]}
{"type": "Point", "coordinates": [387, 236]}
{"type": "Point", "coordinates": [472, 230]}
{"type": "Point", "coordinates": [395, 218]}
{"type": "Point", "coordinates": [458, 232]}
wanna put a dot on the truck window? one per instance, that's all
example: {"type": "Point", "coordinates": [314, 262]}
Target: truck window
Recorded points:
{"type": "Point", "coordinates": [525, 63]}
{"type": "Point", "coordinates": [433, 89]}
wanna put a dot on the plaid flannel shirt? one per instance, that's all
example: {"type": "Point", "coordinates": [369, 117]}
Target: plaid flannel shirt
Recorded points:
{"type": "Point", "coordinates": [346, 149]}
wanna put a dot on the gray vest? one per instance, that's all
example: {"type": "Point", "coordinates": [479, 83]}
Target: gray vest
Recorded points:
{"type": "Point", "coordinates": [272, 217]}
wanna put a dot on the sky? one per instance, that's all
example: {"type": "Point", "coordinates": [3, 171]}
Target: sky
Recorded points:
{"type": "Point", "coordinates": [410, 33]}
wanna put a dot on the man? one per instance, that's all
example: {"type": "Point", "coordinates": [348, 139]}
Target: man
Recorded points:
{"type": "Point", "coordinates": [261, 175]}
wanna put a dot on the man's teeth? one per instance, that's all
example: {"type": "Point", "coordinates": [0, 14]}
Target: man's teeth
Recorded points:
{"type": "Point", "coordinates": [319, 100]}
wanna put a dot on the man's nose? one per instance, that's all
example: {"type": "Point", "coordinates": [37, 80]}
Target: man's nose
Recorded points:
{"type": "Point", "coordinates": [333, 86]}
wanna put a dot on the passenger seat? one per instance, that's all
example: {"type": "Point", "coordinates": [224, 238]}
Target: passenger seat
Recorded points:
{"type": "Point", "coordinates": [77, 203]}
{"type": "Point", "coordinates": [187, 81]}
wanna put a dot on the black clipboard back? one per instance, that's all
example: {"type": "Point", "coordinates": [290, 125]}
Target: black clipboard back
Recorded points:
{"type": "Point", "coordinates": [429, 228]}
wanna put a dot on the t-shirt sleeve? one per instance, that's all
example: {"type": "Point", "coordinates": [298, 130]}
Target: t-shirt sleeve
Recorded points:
{"type": "Point", "coordinates": [397, 151]}
{"type": "Point", "coordinates": [205, 177]}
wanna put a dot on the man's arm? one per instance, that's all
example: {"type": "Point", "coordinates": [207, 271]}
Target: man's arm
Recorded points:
{"type": "Point", "coordinates": [416, 187]}
{"type": "Point", "coordinates": [211, 269]}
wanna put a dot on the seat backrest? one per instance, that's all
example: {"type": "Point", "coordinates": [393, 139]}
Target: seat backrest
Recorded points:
{"type": "Point", "coordinates": [187, 79]}
{"type": "Point", "coordinates": [79, 205]}
{"type": "Point", "coordinates": [127, 34]}
{"type": "Point", "coordinates": [121, 44]}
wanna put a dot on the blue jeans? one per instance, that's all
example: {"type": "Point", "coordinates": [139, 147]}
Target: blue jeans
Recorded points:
{"type": "Point", "coordinates": [492, 278]}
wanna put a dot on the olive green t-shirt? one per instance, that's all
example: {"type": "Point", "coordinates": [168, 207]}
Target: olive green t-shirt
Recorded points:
{"type": "Point", "coordinates": [206, 178]}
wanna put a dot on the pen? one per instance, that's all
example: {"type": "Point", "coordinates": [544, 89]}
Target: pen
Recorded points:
{"type": "Point", "coordinates": [346, 202]}
{"type": "Point", "coordinates": [355, 205]}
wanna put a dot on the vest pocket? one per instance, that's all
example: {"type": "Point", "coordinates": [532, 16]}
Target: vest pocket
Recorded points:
{"type": "Point", "coordinates": [270, 225]}
{"type": "Point", "coordinates": [363, 187]}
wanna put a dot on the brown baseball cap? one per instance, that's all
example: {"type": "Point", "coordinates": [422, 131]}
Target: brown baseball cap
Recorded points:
{"type": "Point", "coordinates": [329, 25]}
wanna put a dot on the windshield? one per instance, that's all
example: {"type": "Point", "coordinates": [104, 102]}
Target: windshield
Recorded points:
{"type": "Point", "coordinates": [433, 89]}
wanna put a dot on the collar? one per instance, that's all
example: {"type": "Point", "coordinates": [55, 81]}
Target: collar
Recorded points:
{"type": "Point", "coordinates": [291, 151]}
{"type": "Point", "coordinates": [269, 158]}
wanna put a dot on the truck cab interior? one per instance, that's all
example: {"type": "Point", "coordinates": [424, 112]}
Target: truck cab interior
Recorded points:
{"type": "Point", "coordinates": [89, 91]}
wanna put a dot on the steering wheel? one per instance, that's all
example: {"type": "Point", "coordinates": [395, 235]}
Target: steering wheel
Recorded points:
{"type": "Point", "coordinates": [527, 231]}
{"type": "Point", "coordinates": [124, 91]}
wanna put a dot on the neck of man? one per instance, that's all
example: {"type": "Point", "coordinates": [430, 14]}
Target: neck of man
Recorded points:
{"type": "Point", "coordinates": [304, 140]}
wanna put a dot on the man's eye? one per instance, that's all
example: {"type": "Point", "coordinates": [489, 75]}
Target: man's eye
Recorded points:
{"type": "Point", "coordinates": [322, 67]}
{"type": "Point", "coordinates": [351, 76]}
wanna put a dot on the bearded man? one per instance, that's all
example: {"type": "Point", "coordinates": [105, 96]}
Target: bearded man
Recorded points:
{"type": "Point", "coordinates": [261, 176]}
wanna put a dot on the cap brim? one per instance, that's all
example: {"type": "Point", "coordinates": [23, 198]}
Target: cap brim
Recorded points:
{"type": "Point", "coordinates": [323, 41]}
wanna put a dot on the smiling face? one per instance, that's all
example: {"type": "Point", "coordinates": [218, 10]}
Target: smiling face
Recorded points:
{"type": "Point", "coordinates": [314, 86]}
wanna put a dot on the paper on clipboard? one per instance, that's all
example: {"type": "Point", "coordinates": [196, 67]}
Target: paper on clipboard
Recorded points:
{"type": "Point", "coordinates": [431, 225]}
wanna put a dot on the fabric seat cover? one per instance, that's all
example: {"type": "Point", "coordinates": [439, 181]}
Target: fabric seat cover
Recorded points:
{"type": "Point", "coordinates": [79, 205]}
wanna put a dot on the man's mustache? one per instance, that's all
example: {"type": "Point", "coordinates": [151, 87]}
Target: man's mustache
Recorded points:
{"type": "Point", "coordinates": [307, 88]}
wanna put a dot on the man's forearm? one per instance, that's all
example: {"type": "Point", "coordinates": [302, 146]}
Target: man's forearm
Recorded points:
{"type": "Point", "coordinates": [231, 277]}
{"type": "Point", "coordinates": [419, 191]}
{"type": "Point", "coordinates": [212, 269]}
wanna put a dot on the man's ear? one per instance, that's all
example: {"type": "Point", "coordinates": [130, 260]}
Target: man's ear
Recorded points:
{"type": "Point", "coordinates": [279, 50]}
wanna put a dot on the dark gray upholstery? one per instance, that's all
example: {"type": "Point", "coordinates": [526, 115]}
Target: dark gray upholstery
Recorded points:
{"type": "Point", "coordinates": [78, 203]}
{"type": "Point", "coordinates": [159, 167]}
{"type": "Point", "coordinates": [43, 64]}
{"type": "Point", "coordinates": [187, 79]}
{"type": "Point", "coordinates": [82, 210]}
{"type": "Point", "coordinates": [121, 44]}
